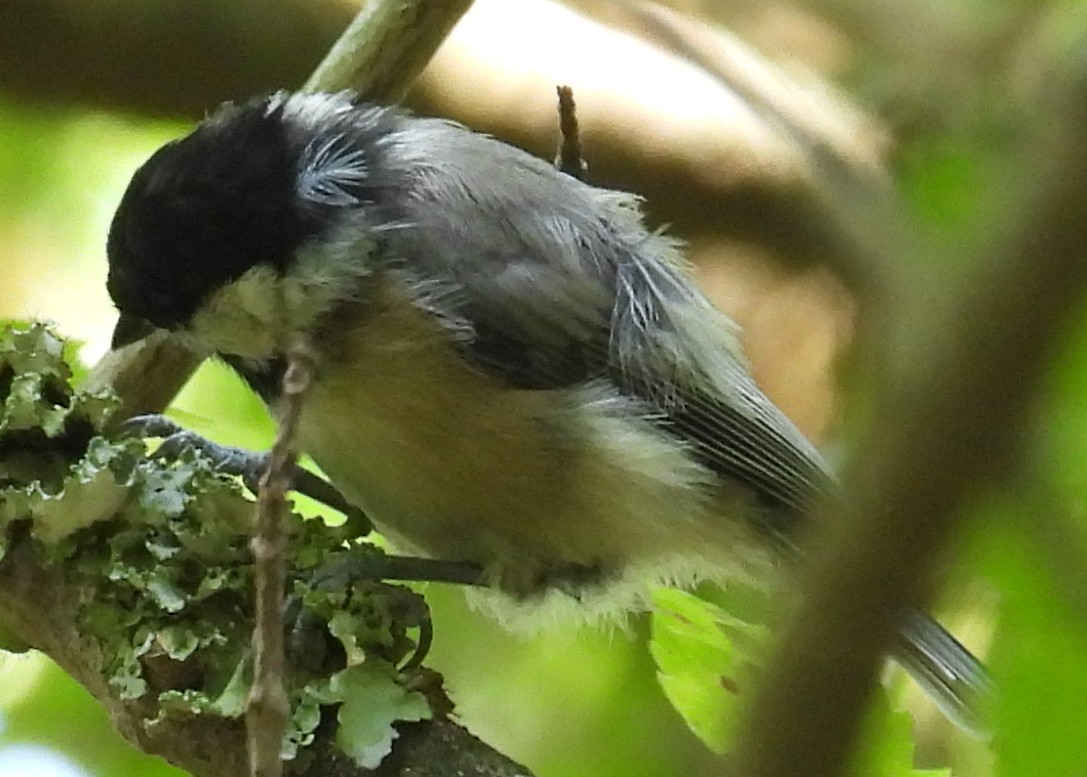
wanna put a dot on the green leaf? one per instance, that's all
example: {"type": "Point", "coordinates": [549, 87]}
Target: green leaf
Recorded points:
{"type": "Point", "coordinates": [305, 717]}
{"type": "Point", "coordinates": [708, 663]}
{"type": "Point", "coordinates": [230, 703]}
{"type": "Point", "coordinates": [885, 744]}
{"type": "Point", "coordinates": [344, 626]}
{"type": "Point", "coordinates": [1038, 657]}
{"type": "Point", "coordinates": [372, 702]}
{"type": "Point", "coordinates": [127, 676]}
{"type": "Point", "coordinates": [96, 406]}
{"type": "Point", "coordinates": [163, 490]}
{"type": "Point", "coordinates": [26, 408]}
{"type": "Point", "coordinates": [701, 669]}
{"type": "Point", "coordinates": [33, 347]}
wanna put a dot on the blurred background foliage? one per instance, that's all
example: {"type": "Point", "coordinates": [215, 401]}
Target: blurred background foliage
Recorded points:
{"type": "Point", "coordinates": [947, 89]}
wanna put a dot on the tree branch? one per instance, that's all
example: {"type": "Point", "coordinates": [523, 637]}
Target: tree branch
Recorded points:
{"type": "Point", "coordinates": [39, 603]}
{"type": "Point", "coordinates": [132, 573]}
{"type": "Point", "coordinates": [977, 354]}
{"type": "Point", "coordinates": [386, 47]}
{"type": "Point", "coordinates": [166, 57]}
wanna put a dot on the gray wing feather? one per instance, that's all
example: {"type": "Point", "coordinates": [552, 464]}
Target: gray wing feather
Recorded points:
{"type": "Point", "coordinates": [550, 283]}
{"type": "Point", "coordinates": [669, 345]}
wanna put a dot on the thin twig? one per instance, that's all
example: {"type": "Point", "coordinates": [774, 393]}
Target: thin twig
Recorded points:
{"type": "Point", "coordinates": [569, 159]}
{"type": "Point", "coordinates": [977, 355]}
{"type": "Point", "coordinates": [268, 707]}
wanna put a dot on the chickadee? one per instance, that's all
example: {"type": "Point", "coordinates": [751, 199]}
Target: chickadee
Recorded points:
{"type": "Point", "coordinates": [511, 369]}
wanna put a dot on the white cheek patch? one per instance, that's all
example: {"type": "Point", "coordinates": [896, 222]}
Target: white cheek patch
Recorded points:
{"type": "Point", "coordinates": [324, 275]}
{"type": "Point", "coordinates": [244, 318]}
{"type": "Point", "coordinates": [259, 314]}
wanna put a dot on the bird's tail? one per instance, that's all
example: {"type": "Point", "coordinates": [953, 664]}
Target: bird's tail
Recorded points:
{"type": "Point", "coordinates": [949, 674]}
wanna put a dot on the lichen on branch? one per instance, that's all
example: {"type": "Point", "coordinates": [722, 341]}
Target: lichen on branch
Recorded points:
{"type": "Point", "coordinates": [158, 551]}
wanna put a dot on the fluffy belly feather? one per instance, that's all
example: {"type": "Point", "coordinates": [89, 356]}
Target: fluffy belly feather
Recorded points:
{"type": "Point", "coordinates": [533, 485]}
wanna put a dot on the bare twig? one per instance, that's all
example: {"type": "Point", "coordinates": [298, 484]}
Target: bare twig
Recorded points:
{"type": "Point", "coordinates": [569, 159]}
{"type": "Point", "coordinates": [145, 375]}
{"type": "Point", "coordinates": [400, 36]}
{"type": "Point", "coordinates": [266, 715]}
{"type": "Point", "coordinates": [977, 355]}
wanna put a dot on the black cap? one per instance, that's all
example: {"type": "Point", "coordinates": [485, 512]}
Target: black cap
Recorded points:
{"type": "Point", "coordinates": [201, 212]}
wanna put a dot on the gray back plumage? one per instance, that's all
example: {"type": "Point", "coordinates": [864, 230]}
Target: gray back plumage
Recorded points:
{"type": "Point", "coordinates": [547, 282]}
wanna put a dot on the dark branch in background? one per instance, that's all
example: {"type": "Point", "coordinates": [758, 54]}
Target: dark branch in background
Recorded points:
{"type": "Point", "coordinates": [268, 707]}
{"type": "Point", "coordinates": [850, 192]}
{"type": "Point", "coordinates": [158, 45]}
{"type": "Point", "coordinates": [976, 357]}
{"type": "Point", "coordinates": [166, 57]}
{"type": "Point", "coordinates": [569, 159]}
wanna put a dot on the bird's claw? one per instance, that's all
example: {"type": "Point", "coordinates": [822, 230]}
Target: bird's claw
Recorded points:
{"type": "Point", "coordinates": [239, 462]}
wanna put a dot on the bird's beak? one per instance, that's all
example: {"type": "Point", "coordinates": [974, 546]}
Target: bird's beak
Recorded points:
{"type": "Point", "coordinates": [128, 330]}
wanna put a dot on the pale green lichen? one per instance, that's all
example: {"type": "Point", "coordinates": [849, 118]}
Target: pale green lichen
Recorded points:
{"type": "Point", "coordinates": [162, 546]}
{"type": "Point", "coordinates": [371, 703]}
